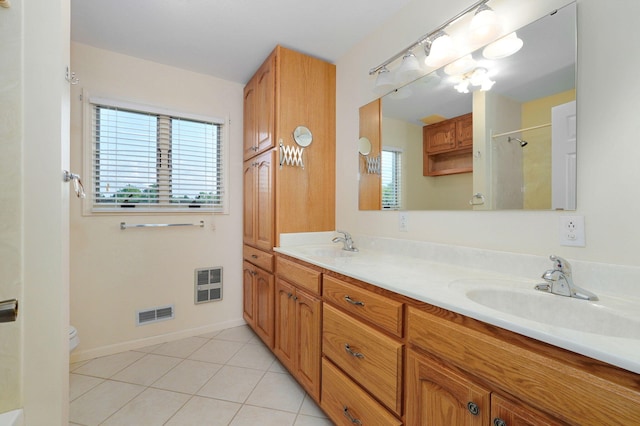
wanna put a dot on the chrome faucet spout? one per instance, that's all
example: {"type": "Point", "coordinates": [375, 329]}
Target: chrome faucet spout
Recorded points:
{"type": "Point", "coordinates": [559, 280]}
{"type": "Point", "coordinates": [346, 241]}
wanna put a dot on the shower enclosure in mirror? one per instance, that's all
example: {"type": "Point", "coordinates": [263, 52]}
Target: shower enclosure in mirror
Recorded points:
{"type": "Point", "coordinates": [483, 132]}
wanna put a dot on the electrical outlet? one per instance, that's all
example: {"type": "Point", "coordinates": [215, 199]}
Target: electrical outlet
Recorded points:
{"type": "Point", "coordinates": [403, 222]}
{"type": "Point", "coordinates": [572, 231]}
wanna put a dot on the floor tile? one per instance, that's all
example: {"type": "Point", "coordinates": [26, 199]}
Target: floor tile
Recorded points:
{"type": "Point", "coordinates": [107, 366]}
{"type": "Point", "coordinates": [277, 367]}
{"type": "Point", "coordinates": [149, 349]}
{"type": "Point", "coordinates": [241, 334]}
{"type": "Point", "coordinates": [188, 376]}
{"type": "Point", "coordinates": [277, 391]}
{"type": "Point", "coordinates": [181, 348]}
{"type": "Point", "coordinates": [147, 369]}
{"type": "Point", "coordinates": [76, 365]}
{"type": "Point", "coordinates": [252, 416]}
{"type": "Point", "coordinates": [204, 411]}
{"type": "Point", "coordinates": [303, 420]}
{"type": "Point", "coordinates": [231, 384]}
{"type": "Point", "coordinates": [253, 356]}
{"type": "Point", "coordinates": [79, 384]}
{"type": "Point", "coordinates": [152, 407]}
{"type": "Point", "coordinates": [209, 335]}
{"type": "Point", "coordinates": [216, 351]}
{"type": "Point", "coordinates": [310, 408]}
{"type": "Point", "coordinates": [102, 401]}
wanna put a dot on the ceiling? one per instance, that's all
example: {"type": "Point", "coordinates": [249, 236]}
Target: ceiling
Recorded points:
{"type": "Point", "coordinates": [228, 39]}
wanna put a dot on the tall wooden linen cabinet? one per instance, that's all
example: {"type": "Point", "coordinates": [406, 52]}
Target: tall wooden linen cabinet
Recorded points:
{"type": "Point", "coordinates": [290, 89]}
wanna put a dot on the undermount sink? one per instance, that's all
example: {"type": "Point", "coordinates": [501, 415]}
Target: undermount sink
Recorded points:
{"type": "Point", "coordinates": [609, 317]}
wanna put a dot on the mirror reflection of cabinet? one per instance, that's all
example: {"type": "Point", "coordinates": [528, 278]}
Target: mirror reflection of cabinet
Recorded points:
{"type": "Point", "coordinates": [370, 197]}
{"type": "Point", "coordinates": [509, 175]}
{"type": "Point", "coordinates": [447, 146]}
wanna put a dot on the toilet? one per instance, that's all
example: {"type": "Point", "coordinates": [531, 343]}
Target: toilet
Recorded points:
{"type": "Point", "coordinates": [74, 339]}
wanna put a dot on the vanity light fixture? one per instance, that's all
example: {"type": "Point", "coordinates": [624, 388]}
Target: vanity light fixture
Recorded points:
{"type": "Point", "coordinates": [485, 25]}
{"type": "Point", "coordinates": [441, 51]}
{"type": "Point", "coordinates": [409, 68]}
{"type": "Point", "coordinates": [384, 81]}
{"type": "Point", "coordinates": [506, 46]}
{"type": "Point", "coordinates": [438, 46]}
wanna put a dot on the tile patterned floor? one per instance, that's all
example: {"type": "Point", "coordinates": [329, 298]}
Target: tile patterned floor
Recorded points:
{"type": "Point", "coordinates": [222, 378]}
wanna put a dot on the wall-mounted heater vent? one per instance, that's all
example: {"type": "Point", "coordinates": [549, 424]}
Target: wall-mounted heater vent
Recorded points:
{"type": "Point", "coordinates": [208, 286]}
{"type": "Point", "coordinates": [161, 313]}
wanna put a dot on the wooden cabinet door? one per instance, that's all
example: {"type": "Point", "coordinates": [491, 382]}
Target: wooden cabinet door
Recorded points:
{"type": "Point", "coordinates": [285, 311]}
{"type": "Point", "coordinates": [248, 200]}
{"type": "Point", "coordinates": [439, 137]}
{"type": "Point", "coordinates": [508, 413]}
{"type": "Point", "coordinates": [438, 396]}
{"type": "Point", "coordinates": [308, 337]}
{"type": "Point", "coordinates": [264, 298]}
{"type": "Point", "coordinates": [248, 293]}
{"type": "Point", "coordinates": [264, 201]}
{"type": "Point", "coordinates": [249, 120]}
{"type": "Point", "coordinates": [464, 131]}
{"type": "Point", "coordinates": [265, 105]}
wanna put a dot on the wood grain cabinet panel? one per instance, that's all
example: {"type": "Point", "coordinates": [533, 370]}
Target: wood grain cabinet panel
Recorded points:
{"type": "Point", "coordinates": [381, 311]}
{"type": "Point", "coordinates": [371, 358]}
{"type": "Point", "coordinates": [258, 293]}
{"type": "Point", "coordinates": [438, 396]}
{"type": "Point", "coordinates": [297, 334]}
{"type": "Point", "coordinates": [346, 404]}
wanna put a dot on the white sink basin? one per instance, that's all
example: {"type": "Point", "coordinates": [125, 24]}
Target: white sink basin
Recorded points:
{"type": "Point", "coordinates": [609, 316]}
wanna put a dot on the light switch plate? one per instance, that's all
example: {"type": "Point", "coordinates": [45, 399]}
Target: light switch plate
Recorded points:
{"type": "Point", "coordinates": [403, 222]}
{"type": "Point", "coordinates": [572, 231]}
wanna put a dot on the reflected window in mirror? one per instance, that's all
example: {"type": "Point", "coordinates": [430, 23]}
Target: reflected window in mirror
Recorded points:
{"type": "Point", "coordinates": [391, 178]}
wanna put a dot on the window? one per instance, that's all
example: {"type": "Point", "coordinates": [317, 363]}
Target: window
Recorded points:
{"type": "Point", "coordinates": [391, 178]}
{"type": "Point", "coordinates": [155, 161]}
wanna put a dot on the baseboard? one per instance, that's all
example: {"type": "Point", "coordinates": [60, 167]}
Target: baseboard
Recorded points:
{"type": "Point", "coordinates": [83, 355]}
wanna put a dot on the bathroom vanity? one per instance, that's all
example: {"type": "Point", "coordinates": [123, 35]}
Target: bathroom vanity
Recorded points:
{"type": "Point", "coordinates": [394, 339]}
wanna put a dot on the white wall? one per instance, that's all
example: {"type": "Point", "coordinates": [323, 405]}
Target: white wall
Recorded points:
{"type": "Point", "coordinates": [116, 272]}
{"type": "Point", "coordinates": [11, 277]}
{"type": "Point", "coordinates": [608, 149]}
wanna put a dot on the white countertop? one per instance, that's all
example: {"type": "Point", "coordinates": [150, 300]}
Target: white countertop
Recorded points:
{"type": "Point", "coordinates": [441, 275]}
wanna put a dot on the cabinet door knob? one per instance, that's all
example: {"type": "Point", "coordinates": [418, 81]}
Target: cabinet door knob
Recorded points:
{"type": "Point", "coordinates": [289, 295]}
{"type": "Point", "coordinates": [351, 352]}
{"type": "Point", "coordinates": [499, 422]}
{"type": "Point", "coordinates": [353, 302]}
{"type": "Point", "coordinates": [348, 415]}
{"type": "Point", "coordinates": [473, 408]}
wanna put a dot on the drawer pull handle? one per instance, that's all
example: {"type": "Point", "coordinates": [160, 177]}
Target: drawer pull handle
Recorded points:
{"type": "Point", "coordinates": [254, 256]}
{"type": "Point", "coordinates": [353, 302]}
{"type": "Point", "coordinates": [499, 422]}
{"type": "Point", "coordinates": [348, 415]}
{"type": "Point", "coordinates": [473, 408]}
{"type": "Point", "coordinates": [351, 352]}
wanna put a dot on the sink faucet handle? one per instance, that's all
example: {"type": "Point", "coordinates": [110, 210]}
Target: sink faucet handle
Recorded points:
{"type": "Point", "coordinates": [561, 264]}
{"type": "Point", "coordinates": [345, 233]}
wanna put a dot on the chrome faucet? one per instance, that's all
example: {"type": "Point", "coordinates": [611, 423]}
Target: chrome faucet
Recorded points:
{"type": "Point", "coordinates": [559, 281]}
{"type": "Point", "coordinates": [346, 241]}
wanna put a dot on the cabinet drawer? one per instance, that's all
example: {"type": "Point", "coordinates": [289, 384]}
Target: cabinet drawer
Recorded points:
{"type": "Point", "coordinates": [299, 275]}
{"type": "Point", "coordinates": [258, 257]}
{"type": "Point", "coordinates": [382, 311]}
{"type": "Point", "coordinates": [371, 358]}
{"type": "Point", "coordinates": [346, 403]}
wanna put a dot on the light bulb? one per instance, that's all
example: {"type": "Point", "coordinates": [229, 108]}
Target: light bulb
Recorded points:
{"type": "Point", "coordinates": [442, 52]}
{"type": "Point", "coordinates": [485, 26]}
{"type": "Point", "coordinates": [506, 46]}
{"type": "Point", "coordinates": [409, 69]}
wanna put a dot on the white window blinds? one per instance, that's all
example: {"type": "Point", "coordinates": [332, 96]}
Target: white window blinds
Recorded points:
{"type": "Point", "coordinates": [150, 161]}
{"type": "Point", "coordinates": [391, 178]}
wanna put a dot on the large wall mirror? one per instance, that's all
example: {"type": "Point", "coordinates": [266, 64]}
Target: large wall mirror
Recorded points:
{"type": "Point", "coordinates": [512, 146]}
